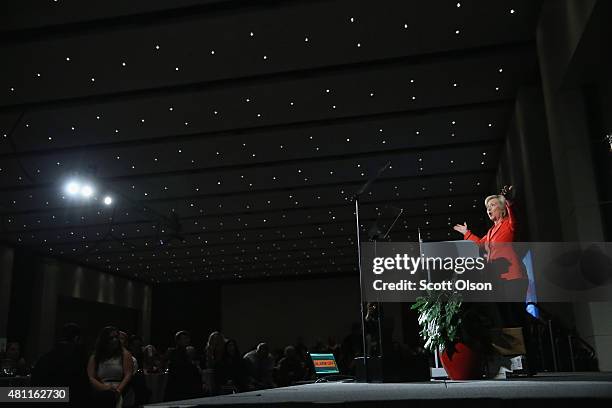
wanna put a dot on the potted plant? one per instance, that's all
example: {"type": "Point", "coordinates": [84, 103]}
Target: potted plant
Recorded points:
{"type": "Point", "coordinates": [458, 331]}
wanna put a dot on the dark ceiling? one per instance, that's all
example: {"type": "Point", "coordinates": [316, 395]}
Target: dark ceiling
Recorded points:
{"type": "Point", "coordinates": [231, 135]}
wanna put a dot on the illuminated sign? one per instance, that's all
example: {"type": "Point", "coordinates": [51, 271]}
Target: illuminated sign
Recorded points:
{"type": "Point", "coordinates": [324, 363]}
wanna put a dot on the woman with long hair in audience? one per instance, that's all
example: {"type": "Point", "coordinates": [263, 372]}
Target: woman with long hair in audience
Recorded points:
{"type": "Point", "coordinates": [213, 355]}
{"type": "Point", "coordinates": [214, 350]}
{"type": "Point", "coordinates": [231, 371]}
{"type": "Point", "coordinates": [110, 369]}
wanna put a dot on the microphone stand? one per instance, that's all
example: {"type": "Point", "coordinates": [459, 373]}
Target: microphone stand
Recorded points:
{"type": "Point", "coordinates": [379, 314]}
{"type": "Point", "coordinates": [356, 197]}
{"type": "Point", "coordinates": [436, 358]}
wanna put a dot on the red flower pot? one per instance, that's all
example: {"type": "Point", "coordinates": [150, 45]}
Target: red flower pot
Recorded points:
{"type": "Point", "coordinates": [462, 363]}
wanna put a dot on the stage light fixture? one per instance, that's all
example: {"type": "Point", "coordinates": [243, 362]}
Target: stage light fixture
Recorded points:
{"type": "Point", "coordinates": [87, 191]}
{"type": "Point", "coordinates": [108, 200]}
{"type": "Point", "coordinates": [73, 187]}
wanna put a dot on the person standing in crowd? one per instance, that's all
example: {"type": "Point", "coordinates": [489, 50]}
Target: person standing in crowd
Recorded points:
{"type": "Point", "coordinates": [260, 365]}
{"type": "Point", "coordinates": [212, 359]}
{"type": "Point", "coordinates": [65, 366]}
{"type": "Point", "coordinates": [184, 380]}
{"type": "Point", "coordinates": [123, 338]}
{"type": "Point", "coordinates": [352, 346]}
{"type": "Point", "coordinates": [135, 346]}
{"type": "Point", "coordinates": [110, 370]}
{"type": "Point", "coordinates": [290, 368]}
{"type": "Point", "coordinates": [138, 384]}
{"type": "Point", "coordinates": [151, 361]}
{"type": "Point", "coordinates": [213, 352]}
{"type": "Point", "coordinates": [12, 360]}
{"type": "Point", "coordinates": [231, 370]}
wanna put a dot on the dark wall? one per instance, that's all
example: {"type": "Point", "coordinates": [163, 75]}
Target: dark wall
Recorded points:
{"type": "Point", "coordinates": [194, 307]}
{"type": "Point", "coordinates": [23, 290]}
{"type": "Point", "coordinates": [93, 316]}
{"type": "Point", "coordinates": [279, 311]}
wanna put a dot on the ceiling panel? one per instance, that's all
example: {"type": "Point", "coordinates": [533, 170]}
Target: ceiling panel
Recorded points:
{"type": "Point", "coordinates": [243, 163]}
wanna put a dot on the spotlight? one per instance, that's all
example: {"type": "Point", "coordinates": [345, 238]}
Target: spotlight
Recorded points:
{"type": "Point", "coordinates": [73, 187]}
{"type": "Point", "coordinates": [86, 191]}
{"type": "Point", "coordinates": [108, 200]}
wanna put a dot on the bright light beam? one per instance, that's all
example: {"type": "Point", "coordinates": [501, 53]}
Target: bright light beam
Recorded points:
{"type": "Point", "coordinates": [73, 187]}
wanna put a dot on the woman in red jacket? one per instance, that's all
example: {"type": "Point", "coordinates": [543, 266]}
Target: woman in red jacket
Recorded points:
{"type": "Point", "coordinates": [497, 245]}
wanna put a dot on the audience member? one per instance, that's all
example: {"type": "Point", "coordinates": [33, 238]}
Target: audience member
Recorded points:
{"type": "Point", "coordinates": [184, 380]}
{"type": "Point", "coordinates": [135, 347]}
{"type": "Point", "coordinates": [352, 346]}
{"type": "Point", "coordinates": [138, 383]}
{"type": "Point", "coordinates": [65, 366]}
{"type": "Point", "coordinates": [151, 361]}
{"type": "Point", "coordinates": [232, 369]}
{"type": "Point", "coordinates": [110, 370]}
{"type": "Point", "coordinates": [123, 338]}
{"type": "Point", "coordinates": [214, 349]}
{"type": "Point", "coordinates": [290, 368]}
{"type": "Point", "coordinates": [304, 356]}
{"type": "Point", "coordinates": [260, 365]}
{"type": "Point", "coordinates": [193, 356]}
{"type": "Point", "coordinates": [12, 361]}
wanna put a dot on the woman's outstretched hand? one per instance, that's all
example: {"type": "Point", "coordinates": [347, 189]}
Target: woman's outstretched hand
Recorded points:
{"type": "Point", "coordinates": [461, 228]}
{"type": "Point", "coordinates": [506, 190]}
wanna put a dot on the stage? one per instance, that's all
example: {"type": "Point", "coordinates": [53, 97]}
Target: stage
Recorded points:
{"type": "Point", "coordinates": [592, 388]}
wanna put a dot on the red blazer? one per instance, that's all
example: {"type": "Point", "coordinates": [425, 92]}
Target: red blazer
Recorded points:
{"type": "Point", "coordinates": [503, 231]}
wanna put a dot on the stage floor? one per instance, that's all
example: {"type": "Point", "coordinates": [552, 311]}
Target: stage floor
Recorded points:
{"type": "Point", "coordinates": [559, 386]}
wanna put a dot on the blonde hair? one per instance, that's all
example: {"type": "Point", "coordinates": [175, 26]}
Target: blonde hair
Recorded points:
{"type": "Point", "coordinates": [500, 199]}
{"type": "Point", "coordinates": [215, 348]}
